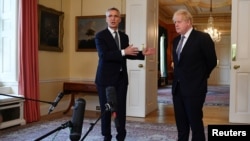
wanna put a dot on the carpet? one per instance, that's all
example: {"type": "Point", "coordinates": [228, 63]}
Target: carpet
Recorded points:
{"type": "Point", "coordinates": [136, 131]}
{"type": "Point", "coordinates": [216, 95]}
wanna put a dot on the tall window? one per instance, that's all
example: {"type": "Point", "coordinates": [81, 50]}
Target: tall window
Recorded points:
{"type": "Point", "coordinates": [8, 43]}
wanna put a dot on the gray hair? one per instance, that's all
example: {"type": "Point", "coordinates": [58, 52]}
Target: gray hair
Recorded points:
{"type": "Point", "coordinates": [111, 9]}
{"type": "Point", "coordinates": [186, 15]}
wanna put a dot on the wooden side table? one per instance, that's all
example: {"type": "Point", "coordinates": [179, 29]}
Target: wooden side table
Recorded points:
{"type": "Point", "coordinates": [73, 88]}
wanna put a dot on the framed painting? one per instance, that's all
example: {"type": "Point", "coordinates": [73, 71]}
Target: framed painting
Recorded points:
{"type": "Point", "coordinates": [50, 29]}
{"type": "Point", "coordinates": [86, 29]}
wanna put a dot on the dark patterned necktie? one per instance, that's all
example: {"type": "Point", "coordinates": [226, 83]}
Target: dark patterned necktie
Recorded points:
{"type": "Point", "coordinates": [116, 39]}
{"type": "Point", "coordinates": [178, 50]}
{"type": "Point", "coordinates": [117, 43]}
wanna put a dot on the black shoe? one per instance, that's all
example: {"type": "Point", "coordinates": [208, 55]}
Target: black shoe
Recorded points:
{"type": "Point", "coordinates": [120, 138]}
{"type": "Point", "coordinates": [107, 138]}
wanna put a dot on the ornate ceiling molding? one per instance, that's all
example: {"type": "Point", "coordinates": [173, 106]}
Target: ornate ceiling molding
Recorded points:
{"type": "Point", "coordinates": [200, 9]}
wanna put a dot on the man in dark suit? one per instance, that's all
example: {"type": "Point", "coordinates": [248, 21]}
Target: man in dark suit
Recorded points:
{"type": "Point", "coordinates": [194, 58]}
{"type": "Point", "coordinates": [112, 72]}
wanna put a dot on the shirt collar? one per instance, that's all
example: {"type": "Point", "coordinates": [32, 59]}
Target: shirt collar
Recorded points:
{"type": "Point", "coordinates": [111, 30]}
{"type": "Point", "coordinates": [188, 33]}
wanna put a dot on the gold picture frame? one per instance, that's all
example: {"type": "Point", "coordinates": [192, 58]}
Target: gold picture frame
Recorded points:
{"type": "Point", "coordinates": [50, 29]}
{"type": "Point", "coordinates": [86, 28]}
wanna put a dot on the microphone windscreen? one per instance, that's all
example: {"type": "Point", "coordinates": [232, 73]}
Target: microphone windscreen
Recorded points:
{"type": "Point", "coordinates": [112, 100]}
{"type": "Point", "coordinates": [111, 97]}
{"type": "Point", "coordinates": [58, 98]}
{"type": "Point", "coordinates": [77, 119]}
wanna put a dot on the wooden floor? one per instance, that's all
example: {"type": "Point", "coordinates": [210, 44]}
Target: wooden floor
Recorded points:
{"type": "Point", "coordinates": [165, 114]}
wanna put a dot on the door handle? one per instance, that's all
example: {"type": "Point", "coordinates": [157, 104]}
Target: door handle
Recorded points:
{"type": "Point", "coordinates": [236, 67]}
{"type": "Point", "coordinates": [140, 65]}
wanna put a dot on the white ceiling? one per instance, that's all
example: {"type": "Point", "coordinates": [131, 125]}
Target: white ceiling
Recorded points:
{"type": "Point", "coordinates": [200, 9]}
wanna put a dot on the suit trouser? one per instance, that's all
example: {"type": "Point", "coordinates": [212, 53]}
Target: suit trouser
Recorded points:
{"type": "Point", "coordinates": [189, 114]}
{"type": "Point", "coordinates": [121, 94]}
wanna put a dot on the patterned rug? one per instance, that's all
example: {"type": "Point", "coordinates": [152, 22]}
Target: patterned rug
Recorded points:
{"type": "Point", "coordinates": [216, 95]}
{"type": "Point", "coordinates": [136, 131]}
{"type": "Point", "coordinates": [50, 130]}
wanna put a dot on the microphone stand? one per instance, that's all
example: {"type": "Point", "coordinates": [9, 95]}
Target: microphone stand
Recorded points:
{"type": "Point", "coordinates": [27, 98]}
{"type": "Point", "coordinates": [108, 108]}
{"type": "Point", "coordinates": [67, 124]}
{"type": "Point", "coordinates": [63, 126]}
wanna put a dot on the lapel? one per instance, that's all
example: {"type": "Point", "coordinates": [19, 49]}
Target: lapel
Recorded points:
{"type": "Point", "coordinates": [188, 43]}
{"type": "Point", "coordinates": [111, 39]}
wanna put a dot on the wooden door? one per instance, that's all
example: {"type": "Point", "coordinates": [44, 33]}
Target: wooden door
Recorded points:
{"type": "Point", "coordinates": [239, 107]}
{"type": "Point", "coordinates": [142, 29]}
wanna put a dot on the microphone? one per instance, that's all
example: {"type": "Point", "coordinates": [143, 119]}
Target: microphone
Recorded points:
{"type": "Point", "coordinates": [111, 99]}
{"type": "Point", "coordinates": [77, 120]}
{"type": "Point", "coordinates": [112, 103]}
{"type": "Point", "coordinates": [58, 98]}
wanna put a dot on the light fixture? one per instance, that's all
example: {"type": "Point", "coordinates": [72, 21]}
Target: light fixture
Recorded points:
{"type": "Point", "coordinates": [213, 32]}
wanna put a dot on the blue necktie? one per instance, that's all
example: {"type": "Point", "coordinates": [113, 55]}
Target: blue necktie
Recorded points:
{"type": "Point", "coordinates": [179, 47]}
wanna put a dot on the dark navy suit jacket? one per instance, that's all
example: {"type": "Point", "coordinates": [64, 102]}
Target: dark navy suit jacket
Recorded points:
{"type": "Point", "coordinates": [110, 58]}
{"type": "Point", "coordinates": [197, 60]}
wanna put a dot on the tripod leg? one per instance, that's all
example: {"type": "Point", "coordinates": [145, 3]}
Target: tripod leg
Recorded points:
{"type": "Point", "coordinates": [67, 124]}
{"type": "Point", "coordinates": [92, 125]}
